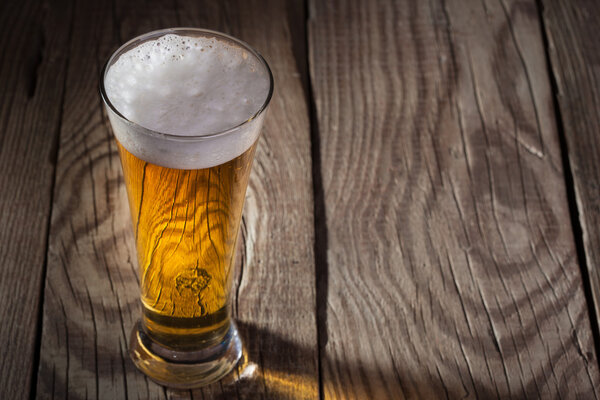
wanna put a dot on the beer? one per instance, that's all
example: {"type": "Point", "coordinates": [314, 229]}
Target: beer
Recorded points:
{"type": "Point", "coordinates": [186, 223]}
{"type": "Point", "coordinates": [186, 107]}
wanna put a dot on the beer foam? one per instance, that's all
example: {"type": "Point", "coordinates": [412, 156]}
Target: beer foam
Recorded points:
{"type": "Point", "coordinates": [187, 86]}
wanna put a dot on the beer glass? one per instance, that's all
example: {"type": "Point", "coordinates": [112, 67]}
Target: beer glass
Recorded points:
{"type": "Point", "coordinates": [186, 107]}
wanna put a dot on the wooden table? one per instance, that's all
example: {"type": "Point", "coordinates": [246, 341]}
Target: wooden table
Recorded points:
{"type": "Point", "coordinates": [422, 219]}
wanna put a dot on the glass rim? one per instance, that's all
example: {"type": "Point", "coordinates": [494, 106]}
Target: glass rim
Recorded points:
{"type": "Point", "coordinates": [161, 32]}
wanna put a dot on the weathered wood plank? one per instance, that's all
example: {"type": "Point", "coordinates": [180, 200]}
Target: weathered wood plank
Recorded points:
{"type": "Point", "coordinates": [572, 30]}
{"type": "Point", "coordinates": [92, 290]}
{"type": "Point", "coordinates": [33, 38]}
{"type": "Point", "coordinates": [451, 268]}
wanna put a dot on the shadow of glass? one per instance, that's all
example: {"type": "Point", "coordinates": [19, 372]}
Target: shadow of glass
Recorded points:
{"type": "Point", "coordinates": [271, 367]}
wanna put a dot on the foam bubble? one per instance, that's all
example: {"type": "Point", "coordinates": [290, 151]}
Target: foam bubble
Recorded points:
{"type": "Point", "coordinates": [187, 86]}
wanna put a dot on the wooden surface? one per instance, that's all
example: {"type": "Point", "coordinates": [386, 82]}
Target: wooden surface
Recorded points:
{"type": "Point", "coordinates": [574, 46]}
{"type": "Point", "coordinates": [437, 257]}
{"type": "Point", "coordinates": [456, 275]}
{"type": "Point", "coordinates": [34, 45]}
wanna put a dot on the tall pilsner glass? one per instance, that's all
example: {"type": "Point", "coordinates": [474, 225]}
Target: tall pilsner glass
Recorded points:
{"type": "Point", "coordinates": [186, 107]}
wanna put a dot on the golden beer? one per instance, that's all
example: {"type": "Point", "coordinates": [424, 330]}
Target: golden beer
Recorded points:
{"type": "Point", "coordinates": [186, 223]}
{"type": "Point", "coordinates": [186, 107]}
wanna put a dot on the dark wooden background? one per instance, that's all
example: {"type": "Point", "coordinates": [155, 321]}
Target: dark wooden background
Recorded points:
{"type": "Point", "coordinates": [422, 219]}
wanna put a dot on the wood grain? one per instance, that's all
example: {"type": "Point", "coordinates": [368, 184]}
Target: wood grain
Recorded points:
{"type": "Point", "coordinates": [451, 269]}
{"type": "Point", "coordinates": [92, 291]}
{"type": "Point", "coordinates": [574, 48]}
{"type": "Point", "coordinates": [33, 38]}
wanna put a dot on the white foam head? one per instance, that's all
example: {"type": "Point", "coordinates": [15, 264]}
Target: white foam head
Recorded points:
{"type": "Point", "coordinates": [187, 100]}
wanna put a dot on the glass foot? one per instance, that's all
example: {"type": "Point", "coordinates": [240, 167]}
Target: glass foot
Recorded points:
{"type": "Point", "coordinates": [184, 369]}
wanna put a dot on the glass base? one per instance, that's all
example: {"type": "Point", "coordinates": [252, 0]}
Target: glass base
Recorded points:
{"type": "Point", "coordinates": [184, 369]}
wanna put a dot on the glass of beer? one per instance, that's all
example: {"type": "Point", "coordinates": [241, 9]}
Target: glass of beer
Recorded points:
{"type": "Point", "coordinates": [186, 107]}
